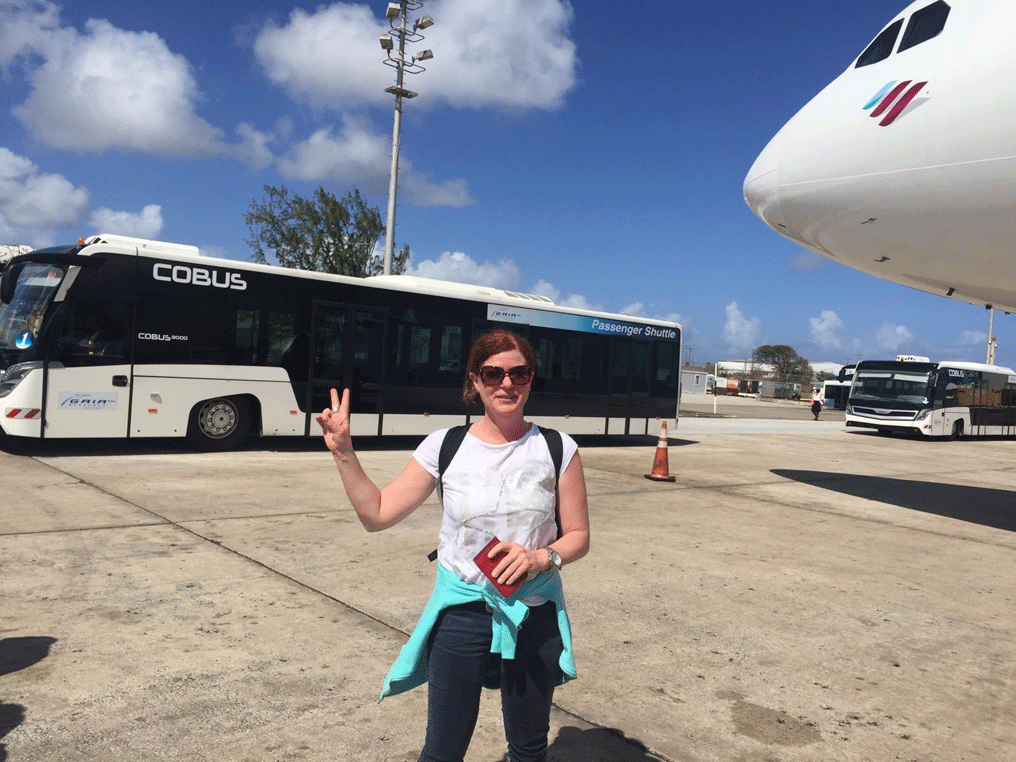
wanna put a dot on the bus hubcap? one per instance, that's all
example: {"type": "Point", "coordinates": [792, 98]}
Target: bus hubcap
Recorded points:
{"type": "Point", "coordinates": [217, 419]}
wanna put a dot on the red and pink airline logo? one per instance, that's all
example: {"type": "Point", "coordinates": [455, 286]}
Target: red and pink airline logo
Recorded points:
{"type": "Point", "coordinates": [890, 101]}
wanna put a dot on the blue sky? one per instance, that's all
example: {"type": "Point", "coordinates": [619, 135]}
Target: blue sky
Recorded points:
{"type": "Point", "coordinates": [592, 152]}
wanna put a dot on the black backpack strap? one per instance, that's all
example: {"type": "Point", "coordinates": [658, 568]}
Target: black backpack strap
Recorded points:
{"type": "Point", "coordinates": [556, 446]}
{"type": "Point", "coordinates": [449, 446]}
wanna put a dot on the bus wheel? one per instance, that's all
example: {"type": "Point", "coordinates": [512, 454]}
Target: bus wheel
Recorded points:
{"type": "Point", "coordinates": [957, 430]}
{"type": "Point", "coordinates": [219, 424]}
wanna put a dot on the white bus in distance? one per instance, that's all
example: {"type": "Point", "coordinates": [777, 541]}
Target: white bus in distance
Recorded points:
{"type": "Point", "coordinates": [119, 338]}
{"type": "Point", "coordinates": [945, 399]}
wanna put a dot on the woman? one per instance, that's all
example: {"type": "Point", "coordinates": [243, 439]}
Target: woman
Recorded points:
{"type": "Point", "coordinates": [500, 485]}
{"type": "Point", "coordinates": [817, 400]}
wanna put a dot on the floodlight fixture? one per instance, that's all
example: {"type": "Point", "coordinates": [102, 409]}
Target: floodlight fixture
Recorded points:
{"type": "Point", "coordinates": [394, 9]}
{"type": "Point", "coordinates": [386, 42]}
{"type": "Point", "coordinates": [424, 55]}
{"type": "Point", "coordinates": [423, 22]}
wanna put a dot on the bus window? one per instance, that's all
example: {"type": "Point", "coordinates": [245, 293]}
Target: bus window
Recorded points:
{"type": "Point", "coordinates": [329, 336]}
{"type": "Point", "coordinates": [409, 362]}
{"type": "Point", "coordinates": [640, 362]}
{"type": "Point", "coordinates": [451, 349]}
{"type": "Point", "coordinates": [545, 359]}
{"type": "Point", "coordinates": [665, 374]}
{"type": "Point", "coordinates": [92, 333]}
{"type": "Point", "coordinates": [280, 340]}
{"type": "Point", "coordinates": [247, 330]}
{"type": "Point", "coordinates": [368, 345]}
{"type": "Point", "coordinates": [571, 358]}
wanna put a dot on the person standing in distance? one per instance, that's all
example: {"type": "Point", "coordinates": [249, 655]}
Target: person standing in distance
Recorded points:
{"type": "Point", "coordinates": [817, 400]}
{"type": "Point", "coordinates": [500, 485]}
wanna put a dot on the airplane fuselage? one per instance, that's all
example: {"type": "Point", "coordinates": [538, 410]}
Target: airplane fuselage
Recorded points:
{"type": "Point", "coordinates": [905, 167]}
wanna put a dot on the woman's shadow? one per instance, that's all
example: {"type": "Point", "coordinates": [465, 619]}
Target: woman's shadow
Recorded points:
{"type": "Point", "coordinates": [17, 654]}
{"type": "Point", "coordinates": [596, 745]}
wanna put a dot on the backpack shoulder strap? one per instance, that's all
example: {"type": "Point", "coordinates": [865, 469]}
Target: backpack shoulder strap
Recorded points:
{"type": "Point", "coordinates": [449, 446]}
{"type": "Point", "coordinates": [556, 446]}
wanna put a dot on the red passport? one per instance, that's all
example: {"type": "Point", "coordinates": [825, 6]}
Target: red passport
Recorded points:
{"type": "Point", "coordinates": [487, 567]}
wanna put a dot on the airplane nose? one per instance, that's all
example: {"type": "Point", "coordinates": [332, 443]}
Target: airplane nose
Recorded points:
{"type": "Point", "coordinates": [761, 186]}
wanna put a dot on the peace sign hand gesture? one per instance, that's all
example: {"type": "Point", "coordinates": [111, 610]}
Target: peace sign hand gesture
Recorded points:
{"type": "Point", "coordinates": [334, 422]}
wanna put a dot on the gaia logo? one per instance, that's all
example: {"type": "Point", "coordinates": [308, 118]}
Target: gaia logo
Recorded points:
{"type": "Point", "coordinates": [892, 99]}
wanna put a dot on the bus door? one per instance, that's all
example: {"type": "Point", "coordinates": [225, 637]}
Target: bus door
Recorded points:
{"type": "Point", "coordinates": [628, 391]}
{"type": "Point", "coordinates": [88, 373]}
{"type": "Point", "coordinates": [348, 351]}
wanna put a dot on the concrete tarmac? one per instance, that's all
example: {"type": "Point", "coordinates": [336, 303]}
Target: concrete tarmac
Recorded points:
{"type": "Point", "coordinates": [801, 592]}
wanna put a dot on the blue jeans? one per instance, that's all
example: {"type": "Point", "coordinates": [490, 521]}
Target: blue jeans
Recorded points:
{"type": "Point", "coordinates": [460, 657]}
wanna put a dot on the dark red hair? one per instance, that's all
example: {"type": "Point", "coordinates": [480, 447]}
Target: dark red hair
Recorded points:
{"type": "Point", "coordinates": [488, 345]}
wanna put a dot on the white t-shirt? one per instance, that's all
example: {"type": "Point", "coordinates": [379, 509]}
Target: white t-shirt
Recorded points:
{"type": "Point", "coordinates": [494, 490]}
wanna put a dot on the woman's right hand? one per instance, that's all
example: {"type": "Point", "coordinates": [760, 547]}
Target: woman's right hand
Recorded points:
{"type": "Point", "coordinates": [334, 422]}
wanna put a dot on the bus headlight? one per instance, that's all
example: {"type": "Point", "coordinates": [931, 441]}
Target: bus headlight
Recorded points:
{"type": "Point", "coordinates": [922, 415]}
{"type": "Point", "coordinates": [15, 374]}
{"type": "Point", "coordinates": [850, 409]}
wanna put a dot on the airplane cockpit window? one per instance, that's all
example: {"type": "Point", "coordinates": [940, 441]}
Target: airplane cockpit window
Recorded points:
{"type": "Point", "coordinates": [925, 24]}
{"type": "Point", "coordinates": [882, 46]}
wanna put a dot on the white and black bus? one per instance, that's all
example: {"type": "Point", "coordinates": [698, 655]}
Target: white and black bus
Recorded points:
{"type": "Point", "coordinates": [118, 337]}
{"type": "Point", "coordinates": [945, 399]}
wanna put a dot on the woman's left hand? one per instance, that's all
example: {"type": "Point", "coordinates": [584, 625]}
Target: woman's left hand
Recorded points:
{"type": "Point", "coordinates": [516, 562]}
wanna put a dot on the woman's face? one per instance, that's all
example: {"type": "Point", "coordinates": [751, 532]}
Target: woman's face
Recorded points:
{"type": "Point", "coordinates": [505, 398]}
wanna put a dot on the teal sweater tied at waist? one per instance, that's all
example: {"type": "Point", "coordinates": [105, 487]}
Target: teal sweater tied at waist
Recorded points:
{"type": "Point", "coordinates": [410, 669]}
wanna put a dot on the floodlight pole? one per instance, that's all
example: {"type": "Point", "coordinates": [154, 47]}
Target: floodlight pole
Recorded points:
{"type": "Point", "coordinates": [990, 358]}
{"type": "Point", "coordinates": [396, 13]}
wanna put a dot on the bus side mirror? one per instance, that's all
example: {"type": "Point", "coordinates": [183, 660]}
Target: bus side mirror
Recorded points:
{"type": "Point", "coordinates": [9, 281]}
{"type": "Point", "coordinates": [842, 375]}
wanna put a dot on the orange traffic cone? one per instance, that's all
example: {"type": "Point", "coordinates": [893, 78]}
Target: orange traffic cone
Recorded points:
{"type": "Point", "coordinates": [661, 466]}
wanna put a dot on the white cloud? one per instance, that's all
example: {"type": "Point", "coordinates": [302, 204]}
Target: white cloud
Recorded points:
{"type": "Point", "coordinates": [806, 260]}
{"type": "Point", "coordinates": [252, 149]}
{"type": "Point", "coordinates": [355, 152]}
{"type": "Point", "coordinates": [23, 26]}
{"type": "Point", "coordinates": [358, 155]}
{"type": "Point", "coordinates": [32, 202]}
{"type": "Point", "coordinates": [502, 53]}
{"type": "Point", "coordinates": [147, 224]}
{"type": "Point", "coordinates": [420, 191]}
{"type": "Point", "coordinates": [891, 338]}
{"type": "Point", "coordinates": [461, 268]}
{"type": "Point", "coordinates": [653, 312]}
{"type": "Point", "coordinates": [740, 333]}
{"type": "Point", "coordinates": [972, 338]}
{"type": "Point", "coordinates": [572, 301]}
{"type": "Point", "coordinates": [103, 88]}
{"type": "Point", "coordinates": [823, 330]}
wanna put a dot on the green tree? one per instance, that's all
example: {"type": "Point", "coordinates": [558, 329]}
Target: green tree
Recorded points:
{"type": "Point", "coordinates": [786, 363]}
{"type": "Point", "coordinates": [321, 233]}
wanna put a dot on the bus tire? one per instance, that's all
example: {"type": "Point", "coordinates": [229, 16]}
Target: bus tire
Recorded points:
{"type": "Point", "coordinates": [219, 424]}
{"type": "Point", "coordinates": [957, 430]}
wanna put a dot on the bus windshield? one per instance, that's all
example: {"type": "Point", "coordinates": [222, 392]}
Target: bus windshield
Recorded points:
{"type": "Point", "coordinates": [21, 319]}
{"type": "Point", "coordinates": [901, 386]}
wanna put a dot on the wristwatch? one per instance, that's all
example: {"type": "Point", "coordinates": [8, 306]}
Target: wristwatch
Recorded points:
{"type": "Point", "coordinates": [555, 558]}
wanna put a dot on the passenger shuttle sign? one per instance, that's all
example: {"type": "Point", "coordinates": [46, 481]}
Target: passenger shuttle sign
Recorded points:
{"type": "Point", "coordinates": [584, 323]}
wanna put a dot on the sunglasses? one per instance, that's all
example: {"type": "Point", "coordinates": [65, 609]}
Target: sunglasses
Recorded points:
{"type": "Point", "coordinates": [492, 375]}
